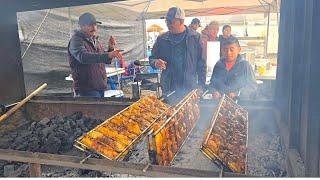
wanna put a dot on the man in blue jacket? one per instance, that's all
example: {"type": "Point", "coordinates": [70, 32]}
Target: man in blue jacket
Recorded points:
{"type": "Point", "coordinates": [178, 53]}
{"type": "Point", "coordinates": [232, 73]}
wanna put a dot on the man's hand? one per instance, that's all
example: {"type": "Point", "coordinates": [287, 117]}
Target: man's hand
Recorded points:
{"type": "Point", "coordinates": [232, 95]}
{"type": "Point", "coordinates": [112, 42]}
{"type": "Point", "coordinates": [115, 54]}
{"type": "Point", "coordinates": [216, 95]}
{"type": "Point", "coordinates": [161, 64]}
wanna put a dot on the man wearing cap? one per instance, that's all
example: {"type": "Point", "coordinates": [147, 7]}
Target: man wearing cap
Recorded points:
{"type": "Point", "coordinates": [195, 24]}
{"type": "Point", "coordinates": [87, 58]}
{"type": "Point", "coordinates": [178, 53]}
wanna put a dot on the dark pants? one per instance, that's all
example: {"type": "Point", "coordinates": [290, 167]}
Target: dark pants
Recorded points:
{"type": "Point", "coordinates": [90, 93]}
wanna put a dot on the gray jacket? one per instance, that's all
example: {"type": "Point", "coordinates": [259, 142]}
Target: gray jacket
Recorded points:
{"type": "Point", "coordinates": [194, 73]}
{"type": "Point", "coordinates": [239, 78]}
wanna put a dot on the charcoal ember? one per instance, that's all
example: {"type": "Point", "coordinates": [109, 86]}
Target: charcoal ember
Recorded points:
{"type": "Point", "coordinates": [67, 143]}
{"type": "Point", "coordinates": [47, 130]}
{"type": "Point", "coordinates": [57, 120]}
{"type": "Point", "coordinates": [78, 132]}
{"type": "Point", "coordinates": [5, 142]}
{"type": "Point", "coordinates": [80, 122]}
{"type": "Point", "coordinates": [53, 144]}
{"type": "Point", "coordinates": [21, 170]}
{"type": "Point", "coordinates": [34, 144]}
{"type": "Point", "coordinates": [13, 134]}
{"type": "Point", "coordinates": [75, 116]}
{"type": "Point", "coordinates": [8, 170]}
{"type": "Point", "coordinates": [55, 135]}
{"type": "Point", "coordinates": [265, 156]}
{"type": "Point", "coordinates": [91, 123]}
{"type": "Point", "coordinates": [44, 121]}
{"type": "Point", "coordinates": [33, 126]}
{"type": "Point", "coordinates": [67, 127]}
{"type": "Point", "coordinates": [94, 174]}
{"type": "Point", "coordinates": [89, 173]}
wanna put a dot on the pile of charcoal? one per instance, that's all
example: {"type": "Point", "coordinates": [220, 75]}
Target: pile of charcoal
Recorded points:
{"type": "Point", "coordinates": [266, 156]}
{"type": "Point", "coordinates": [55, 135]}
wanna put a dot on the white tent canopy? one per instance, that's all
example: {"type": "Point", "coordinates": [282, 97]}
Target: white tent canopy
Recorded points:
{"type": "Point", "coordinates": [157, 8]}
{"type": "Point", "coordinates": [154, 9]}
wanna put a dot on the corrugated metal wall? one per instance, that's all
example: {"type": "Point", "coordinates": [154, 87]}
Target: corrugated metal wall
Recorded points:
{"type": "Point", "coordinates": [298, 84]}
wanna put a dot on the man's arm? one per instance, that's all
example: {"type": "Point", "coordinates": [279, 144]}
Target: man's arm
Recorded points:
{"type": "Point", "coordinates": [80, 53]}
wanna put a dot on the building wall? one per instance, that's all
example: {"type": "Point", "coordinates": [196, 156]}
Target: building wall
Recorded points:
{"type": "Point", "coordinates": [298, 84]}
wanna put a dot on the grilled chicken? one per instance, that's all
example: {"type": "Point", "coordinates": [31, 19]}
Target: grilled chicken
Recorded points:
{"type": "Point", "coordinates": [113, 134]}
{"type": "Point", "coordinates": [105, 150]}
{"type": "Point", "coordinates": [99, 137]}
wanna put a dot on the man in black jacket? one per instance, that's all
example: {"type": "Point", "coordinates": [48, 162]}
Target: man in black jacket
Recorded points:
{"type": "Point", "coordinates": [178, 53]}
{"type": "Point", "coordinates": [232, 73]}
{"type": "Point", "coordinates": [87, 58]}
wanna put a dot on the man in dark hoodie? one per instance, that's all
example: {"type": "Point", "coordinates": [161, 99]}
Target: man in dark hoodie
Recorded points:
{"type": "Point", "coordinates": [178, 53]}
{"type": "Point", "coordinates": [87, 58]}
{"type": "Point", "coordinates": [232, 73]}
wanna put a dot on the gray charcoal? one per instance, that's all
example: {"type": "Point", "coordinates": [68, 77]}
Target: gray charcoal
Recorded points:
{"type": "Point", "coordinates": [8, 170]}
{"type": "Point", "coordinates": [33, 125]}
{"type": "Point", "coordinates": [44, 121]}
{"type": "Point", "coordinates": [72, 124]}
{"type": "Point", "coordinates": [46, 131]}
{"type": "Point", "coordinates": [66, 127]}
{"type": "Point", "coordinates": [80, 122]}
{"type": "Point", "coordinates": [59, 120]}
{"type": "Point", "coordinates": [77, 115]}
{"type": "Point", "coordinates": [53, 144]}
{"type": "Point", "coordinates": [55, 135]}
{"type": "Point", "coordinates": [13, 134]}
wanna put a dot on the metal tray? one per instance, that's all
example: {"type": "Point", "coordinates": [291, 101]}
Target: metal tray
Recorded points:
{"type": "Point", "coordinates": [210, 153]}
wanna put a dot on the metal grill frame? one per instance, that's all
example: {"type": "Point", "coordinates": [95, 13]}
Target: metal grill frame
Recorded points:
{"type": "Point", "coordinates": [206, 150]}
{"type": "Point", "coordinates": [78, 144]}
{"type": "Point", "coordinates": [152, 134]}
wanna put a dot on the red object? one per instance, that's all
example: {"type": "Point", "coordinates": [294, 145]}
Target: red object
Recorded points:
{"type": "Point", "coordinates": [124, 65]}
{"type": "Point", "coordinates": [229, 66]}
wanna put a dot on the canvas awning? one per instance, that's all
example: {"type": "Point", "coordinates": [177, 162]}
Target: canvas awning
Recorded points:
{"type": "Point", "coordinates": [154, 9]}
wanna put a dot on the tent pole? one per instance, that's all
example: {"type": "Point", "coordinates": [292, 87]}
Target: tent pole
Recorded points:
{"type": "Point", "coordinates": [70, 22]}
{"type": "Point", "coordinates": [35, 35]}
{"type": "Point", "coordinates": [267, 38]}
{"type": "Point", "coordinates": [143, 18]}
{"type": "Point", "coordinates": [144, 37]}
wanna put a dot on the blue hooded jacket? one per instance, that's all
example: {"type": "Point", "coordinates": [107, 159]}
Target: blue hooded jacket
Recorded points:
{"type": "Point", "coordinates": [239, 78]}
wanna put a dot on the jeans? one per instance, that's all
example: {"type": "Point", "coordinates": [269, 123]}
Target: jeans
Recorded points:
{"type": "Point", "coordinates": [90, 93]}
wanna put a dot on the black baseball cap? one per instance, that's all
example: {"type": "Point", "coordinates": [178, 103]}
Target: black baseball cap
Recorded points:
{"type": "Point", "coordinates": [196, 21]}
{"type": "Point", "coordinates": [87, 19]}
